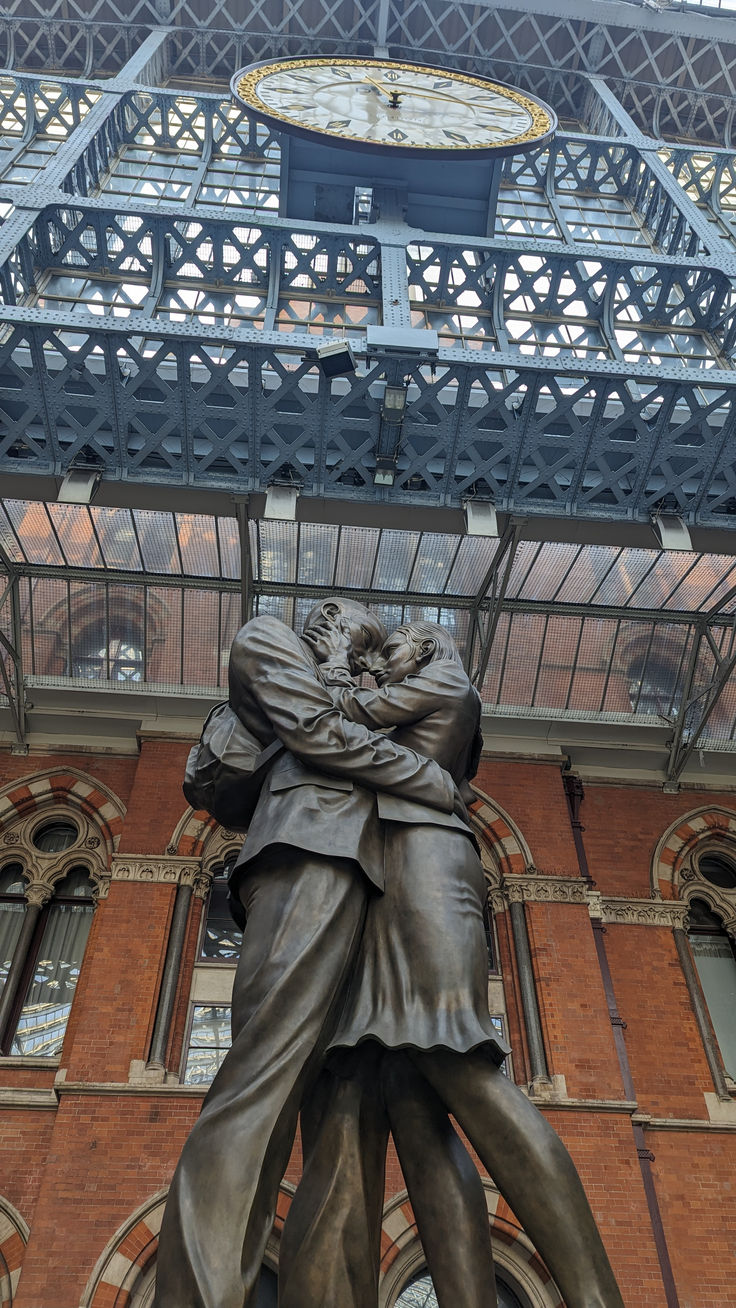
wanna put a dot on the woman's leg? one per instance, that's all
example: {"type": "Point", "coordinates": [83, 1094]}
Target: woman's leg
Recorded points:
{"type": "Point", "coordinates": [444, 1187]}
{"type": "Point", "coordinates": [331, 1243]}
{"type": "Point", "coordinates": [531, 1168]}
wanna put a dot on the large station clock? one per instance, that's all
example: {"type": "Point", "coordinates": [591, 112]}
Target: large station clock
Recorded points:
{"type": "Point", "coordinates": [390, 107]}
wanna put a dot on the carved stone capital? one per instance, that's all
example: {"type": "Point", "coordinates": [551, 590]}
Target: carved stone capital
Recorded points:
{"type": "Point", "coordinates": [200, 883]}
{"type": "Point", "coordinates": [498, 900]}
{"type": "Point", "coordinates": [38, 893]}
{"type": "Point", "coordinates": [160, 869]}
{"type": "Point", "coordinates": [542, 889]}
{"type": "Point", "coordinates": [644, 912]}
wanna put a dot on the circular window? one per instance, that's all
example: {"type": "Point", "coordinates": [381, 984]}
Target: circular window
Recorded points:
{"type": "Point", "coordinates": [718, 870]}
{"type": "Point", "coordinates": [53, 837]}
{"type": "Point", "coordinates": [420, 1293]}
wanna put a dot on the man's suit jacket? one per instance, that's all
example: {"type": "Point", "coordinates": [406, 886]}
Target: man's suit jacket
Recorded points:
{"type": "Point", "coordinates": [320, 793]}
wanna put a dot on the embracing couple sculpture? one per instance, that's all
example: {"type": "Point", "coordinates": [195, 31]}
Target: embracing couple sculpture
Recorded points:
{"type": "Point", "coordinates": [360, 997]}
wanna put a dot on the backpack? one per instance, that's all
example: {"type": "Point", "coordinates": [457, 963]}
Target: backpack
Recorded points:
{"type": "Point", "coordinates": [226, 769]}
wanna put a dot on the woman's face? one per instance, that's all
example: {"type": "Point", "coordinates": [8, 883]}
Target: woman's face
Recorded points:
{"type": "Point", "coordinates": [399, 660]}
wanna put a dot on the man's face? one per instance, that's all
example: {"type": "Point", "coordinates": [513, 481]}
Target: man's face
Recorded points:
{"type": "Point", "coordinates": [363, 637]}
{"type": "Point", "coordinates": [399, 660]}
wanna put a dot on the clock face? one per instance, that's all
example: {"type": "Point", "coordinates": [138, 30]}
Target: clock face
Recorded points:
{"type": "Point", "coordinates": [393, 107]}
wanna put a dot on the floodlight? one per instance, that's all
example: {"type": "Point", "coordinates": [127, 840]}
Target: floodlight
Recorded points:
{"type": "Point", "coordinates": [671, 531]}
{"type": "Point", "coordinates": [335, 358]}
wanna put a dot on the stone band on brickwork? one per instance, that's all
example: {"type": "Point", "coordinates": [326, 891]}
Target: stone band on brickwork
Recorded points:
{"type": "Point", "coordinates": [536, 888]}
{"type": "Point", "coordinates": [162, 869]}
{"type": "Point", "coordinates": [641, 912]}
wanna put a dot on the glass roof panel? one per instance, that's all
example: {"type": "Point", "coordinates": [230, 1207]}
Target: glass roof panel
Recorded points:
{"type": "Point", "coordinates": [664, 578]}
{"type": "Point", "coordinates": [73, 526]}
{"type": "Point", "coordinates": [356, 556]}
{"type": "Point", "coordinates": [619, 584]}
{"type": "Point", "coordinates": [35, 533]}
{"type": "Point", "coordinates": [157, 540]}
{"type": "Point", "coordinates": [474, 557]}
{"type": "Point", "coordinates": [229, 538]}
{"type": "Point", "coordinates": [116, 536]}
{"type": "Point", "coordinates": [8, 539]}
{"type": "Point", "coordinates": [396, 557]}
{"type": "Point", "coordinates": [277, 553]}
{"type": "Point", "coordinates": [549, 570]}
{"type": "Point", "coordinates": [591, 566]}
{"type": "Point", "coordinates": [587, 689]}
{"type": "Point", "coordinates": [434, 559]}
{"type": "Point", "coordinates": [317, 554]}
{"type": "Point", "coordinates": [703, 587]}
{"type": "Point", "coordinates": [197, 533]}
{"type": "Point", "coordinates": [361, 558]}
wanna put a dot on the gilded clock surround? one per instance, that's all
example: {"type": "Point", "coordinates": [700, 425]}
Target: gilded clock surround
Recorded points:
{"type": "Point", "coordinates": [542, 119]}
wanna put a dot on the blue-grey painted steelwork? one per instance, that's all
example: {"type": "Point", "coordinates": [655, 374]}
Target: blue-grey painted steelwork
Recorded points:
{"type": "Point", "coordinates": [542, 408]}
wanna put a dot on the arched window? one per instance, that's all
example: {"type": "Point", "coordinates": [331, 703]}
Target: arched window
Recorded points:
{"type": "Point", "coordinates": [420, 1293]}
{"type": "Point", "coordinates": [221, 939]}
{"type": "Point", "coordinates": [116, 655]}
{"type": "Point", "coordinates": [713, 953]}
{"type": "Point", "coordinates": [12, 912]}
{"type": "Point", "coordinates": [47, 974]}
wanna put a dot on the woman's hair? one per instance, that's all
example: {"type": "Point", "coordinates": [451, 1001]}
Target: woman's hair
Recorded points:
{"type": "Point", "coordinates": [419, 633]}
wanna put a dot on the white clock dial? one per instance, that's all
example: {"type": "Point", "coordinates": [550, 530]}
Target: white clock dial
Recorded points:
{"type": "Point", "coordinates": [393, 105]}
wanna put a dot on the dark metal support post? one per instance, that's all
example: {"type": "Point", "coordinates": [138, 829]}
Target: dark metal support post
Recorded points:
{"type": "Point", "coordinates": [15, 972]}
{"type": "Point", "coordinates": [532, 1022]}
{"type": "Point", "coordinates": [246, 562]}
{"type": "Point", "coordinates": [692, 982]}
{"type": "Point", "coordinates": [170, 978]}
{"type": "Point", "coordinates": [11, 682]}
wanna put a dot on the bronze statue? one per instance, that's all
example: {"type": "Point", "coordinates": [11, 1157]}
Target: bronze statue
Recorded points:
{"type": "Point", "coordinates": [419, 985]}
{"type": "Point", "coordinates": [363, 948]}
{"type": "Point", "coordinates": [314, 848]}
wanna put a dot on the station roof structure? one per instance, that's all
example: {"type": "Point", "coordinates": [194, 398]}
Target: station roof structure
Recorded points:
{"type": "Point", "coordinates": [565, 357]}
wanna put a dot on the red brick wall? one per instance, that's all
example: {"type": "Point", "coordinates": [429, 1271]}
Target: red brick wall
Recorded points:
{"type": "Point", "coordinates": [77, 1174]}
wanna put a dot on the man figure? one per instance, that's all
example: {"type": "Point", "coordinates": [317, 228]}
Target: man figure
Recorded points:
{"type": "Point", "coordinates": [313, 847]}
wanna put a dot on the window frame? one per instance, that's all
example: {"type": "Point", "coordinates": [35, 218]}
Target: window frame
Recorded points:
{"type": "Point", "coordinates": [10, 1029]}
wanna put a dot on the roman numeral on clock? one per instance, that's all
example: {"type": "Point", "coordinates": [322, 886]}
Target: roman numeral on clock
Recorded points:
{"type": "Point", "coordinates": [336, 123]}
{"type": "Point", "coordinates": [396, 135]}
{"type": "Point", "coordinates": [456, 136]}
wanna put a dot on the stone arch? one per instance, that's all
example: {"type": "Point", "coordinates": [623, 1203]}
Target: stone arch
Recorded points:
{"type": "Point", "coordinates": [674, 849]}
{"type": "Point", "coordinates": [503, 847]}
{"type": "Point", "coordinates": [123, 1276]}
{"type": "Point", "coordinates": [191, 833]}
{"type": "Point", "coordinates": [13, 1240]}
{"type": "Point", "coordinates": [29, 796]}
{"type": "Point", "coordinates": [402, 1252]}
{"type": "Point", "coordinates": [127, 1258]}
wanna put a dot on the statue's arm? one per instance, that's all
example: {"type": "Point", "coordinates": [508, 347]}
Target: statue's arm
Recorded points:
{"type": "Point", "coordinates": [267, 658]}
{"type": "Point", "coordinates": [397, 705]}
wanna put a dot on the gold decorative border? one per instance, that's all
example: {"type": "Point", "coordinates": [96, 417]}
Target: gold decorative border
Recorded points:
{"type": "Point", "coordinates": [542, 118]}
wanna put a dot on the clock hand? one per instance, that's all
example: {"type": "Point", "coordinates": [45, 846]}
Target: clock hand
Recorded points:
{"type": "Point", "coordinates": [393, 96]}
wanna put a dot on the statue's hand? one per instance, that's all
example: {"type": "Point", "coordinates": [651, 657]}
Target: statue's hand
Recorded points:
{"type": "Point", "coordinates": [333, 637]}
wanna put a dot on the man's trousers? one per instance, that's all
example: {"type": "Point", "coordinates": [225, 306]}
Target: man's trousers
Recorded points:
{"type": "Point", "coordinates": [304, 920]}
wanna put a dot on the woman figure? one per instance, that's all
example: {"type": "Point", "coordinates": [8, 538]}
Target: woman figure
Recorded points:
{"type": "Point", "coordinates": [415, 1042]}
